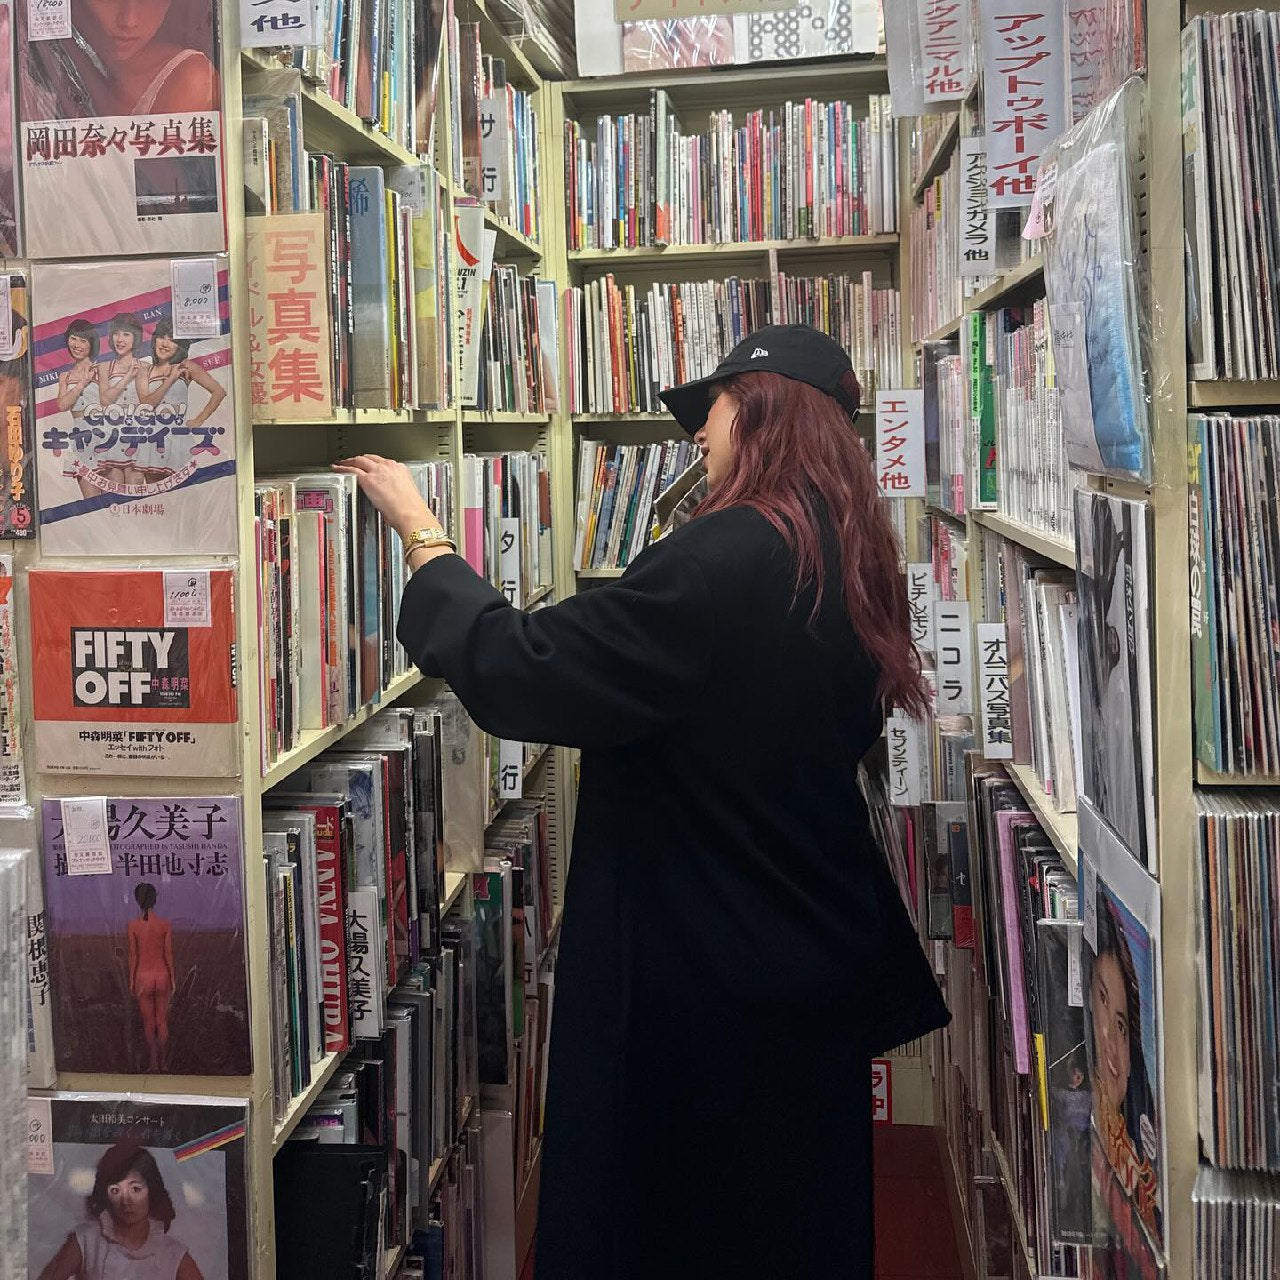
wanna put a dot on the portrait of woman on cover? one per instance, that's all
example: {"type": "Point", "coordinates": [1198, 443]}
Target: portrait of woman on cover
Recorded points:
{"type": "Point", "coordinates": [127, 1228]}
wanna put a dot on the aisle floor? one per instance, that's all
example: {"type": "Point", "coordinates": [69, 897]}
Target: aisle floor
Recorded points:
{"type": "Point", "coordinates": [915, 1235]}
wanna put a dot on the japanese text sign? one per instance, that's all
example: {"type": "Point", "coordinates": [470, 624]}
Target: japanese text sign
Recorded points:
{"type": "Point", "coordinates": [953, 658]}
{"type": "Point", "coordinates": [920, 595]}
{"type": "Point", "coordinates": [1024, 76]}
{"type": "Point", "coordinates": [978, 219]}
{"type": "Point", "coordinates": [272, 23]}
{"type": "Point", "coordinates": [900, 443]}
{"type": "Point", "coordinates": [946, 49]}
{"type": "Point", "coordinates": [906, 782]}
{"type": "Point", "coordinates": [993, 691]}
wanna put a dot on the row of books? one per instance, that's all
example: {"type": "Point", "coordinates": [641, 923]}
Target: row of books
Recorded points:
{"type": "Point", "coordinates": [1235, 558]}
{"type": "Point", "coordinates": [506, 520]}
{"type": "Point", "coordinates": [330, 575]}
{"type": "Point", "coordinates": [804, 170]}
{"type": "Point", "coordinates": [937, 289]}
{"type": "Point", "coordinates": [617, 487]}
{"type": "Point", "coordinates": [924, 135]}
{"type": "Point", "coordinates": [494, 132]}
{"type": "Point", "coordinates": [519, 365]}
{"type": "Point", "coordinates": [1230, 102]}
{"type": "Point", "coordinates": [625, 344]}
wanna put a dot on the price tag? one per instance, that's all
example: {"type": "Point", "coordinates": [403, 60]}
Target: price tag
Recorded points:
{"type": "Point", "coordinates": [39, 1136]}
{"type": "Point", "coordinates": [48, 19]}
{"type": "Point", "coordinates": [1075, 979]}
{"type": "Point", "coordinates": [186, 598]}
{"type": "Point", "coordinates": [8, 339]}
{"type": "Point", "coordinates": [194, 294]}
{"type": "Point", "coordinates": [84, 829]}
{"type": "Point", "coordinates": [510, 770]}
{"type": "Point", "coordinates": [1040, 219]}
{"type": "Point", "coordinates": [509, 559]}
{"type": "Point", "coordinates": [1089, 905]}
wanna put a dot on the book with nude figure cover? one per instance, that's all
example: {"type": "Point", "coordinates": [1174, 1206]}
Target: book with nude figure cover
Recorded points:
{"type": "Point", "coordinates": [146, 935]}
{"type": "Point", "coordinates": [120, 128]}
{"type": "Point", "coordinates": [143, 1185]}
{"type": "Point", "coordinates": [135, 436]}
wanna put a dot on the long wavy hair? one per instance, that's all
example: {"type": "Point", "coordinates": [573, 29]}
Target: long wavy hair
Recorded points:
{"type": "Point", "coordinates": [795, 448]}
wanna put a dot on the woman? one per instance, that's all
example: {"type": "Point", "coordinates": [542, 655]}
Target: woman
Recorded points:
{"type": "Point", "coordinates": [77, 392]}
{"type": "Point", "coordinates": [127, 1231]}
{"type": "Point", "coordinates": [117, 385]}
{"type": "Point", "coordinates": [151, 978]}
{"type": "Point", "coordinates": [1122, 1097]}
{"type": "Point", "coordinates": [167, 380]}
{"type": "Point", "coordinates": [733, 950]}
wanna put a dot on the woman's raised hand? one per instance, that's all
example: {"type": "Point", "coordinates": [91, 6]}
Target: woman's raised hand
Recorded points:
{"type": "Point", "coordinates": [390, 487]}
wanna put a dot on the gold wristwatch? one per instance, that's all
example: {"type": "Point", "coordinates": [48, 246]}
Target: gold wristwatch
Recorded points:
{"type": "Point", "coordinates": [426, 539]}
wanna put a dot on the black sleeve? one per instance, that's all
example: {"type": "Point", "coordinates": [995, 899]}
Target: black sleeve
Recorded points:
{"type": "Point", "coordinates": [608, 666]}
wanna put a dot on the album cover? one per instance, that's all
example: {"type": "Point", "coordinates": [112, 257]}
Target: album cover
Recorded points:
{"type": "Point", "coordinates": [136, 672]}
{"type": "Point", "coordinates": [147, 957]}
{"type": "Point", "coordinates": [120, 128]}
{"type": "Point", "coordinates": [137, 1186]}
{"type": "Point", "coordinates": [135, 420]}
{"type": "Point", "coordinates": [17, 452]}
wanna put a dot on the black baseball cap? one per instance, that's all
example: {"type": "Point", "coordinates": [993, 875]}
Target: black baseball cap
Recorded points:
{"type": "Point", "coordinates": [793, 350]}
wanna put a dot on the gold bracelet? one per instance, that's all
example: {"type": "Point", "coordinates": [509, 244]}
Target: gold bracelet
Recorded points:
{"type": "Point", "coordinates": [420, 543]}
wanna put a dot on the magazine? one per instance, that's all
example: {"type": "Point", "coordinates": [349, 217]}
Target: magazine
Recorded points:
{"type": "Point", "coordinates": [13, 787]}
{"type": "Point", "coordinates": [17, 453]}
{"type": "Point", "coordinates": [1115, 666]}
{"type": "Point", "coordinates": [120, 129]}
{"type": "Point", "coordinates": [147, 958]}
{"type": "Point", "coordinates": [177, 1166]}
{"type": "Point", "coordinates": [10, 227]}
{"type": "Point", "coordinates": [136, 672]}
{"type": "Point", "coordinates": [135, 418]}
{"type": "Point", "coordinates": [1120, 909]}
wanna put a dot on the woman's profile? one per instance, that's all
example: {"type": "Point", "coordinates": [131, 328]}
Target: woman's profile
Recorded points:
{"type": "Point", "coordinates": [167, 380]}
{"type": "Point", "coordinates": [126, 1231]}
{"type": "Point", "coordinates": [151, 977]}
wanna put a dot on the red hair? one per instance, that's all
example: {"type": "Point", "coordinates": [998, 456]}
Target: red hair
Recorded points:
{"type": "Point", "coordinates": [792, 445]}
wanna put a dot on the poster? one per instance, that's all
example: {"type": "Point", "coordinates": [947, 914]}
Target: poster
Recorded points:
{"type": "Point", "coordinates": [135, 423]}
{"type": "Point", "coordinates": [120, 128]}
{"type": "Point", "coordinates": [184, 1161]}
{"type": "Point", "coordinates": [17, 451]}
{"type": "Point", "coordinates": [147, 961]}
{"type": "Point", "coordinates": [136, 673]}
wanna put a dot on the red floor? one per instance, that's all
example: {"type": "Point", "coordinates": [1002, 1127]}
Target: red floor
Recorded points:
{"type": "Point", "coordinates": [915, 1236]}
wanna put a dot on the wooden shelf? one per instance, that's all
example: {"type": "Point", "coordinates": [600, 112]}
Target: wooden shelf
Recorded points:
{"type": "Point", "coordinates": [509, 236]}
{"type": "Point", "coordinates": [318, 740]}
{"type": "Point", "coordinates": [540, 595]}
{"type": "Point", "coordinates": [948, 330]}
{"type": "Point", "coordinates": [1207, 777]}
{"type": "Point", "coordinates": [327, 125]}
{"type": "Point", "coordinates": [365, 418]}
{"type": "Point", "coordinates": [492, 34]}
{"type": "Point", "coordinates": [1015, 1204]}
{"type": "Point", "coordinates": [527, 1206]}
{"type": "Point", "coordinates": [943, 513]}
{"type": "Point", "coordinates": [437, 1166]}
{"type": "Point", "coordinates": [627, 417]}
{"type": "Point", "coordinates": [322, 1073]}
{"type": "Point", "coordinates": [501, 418]}
{"type": "Point", "coordinates": [454, 884]}
{"type": "Point", "coordinates": [599, 573]}
{"type": "Point", "coordinates": [1041, 543]}
{"type": "Point", "coordinates": [1026, 277]}
{"type": "Point", "coordinates": [938, 159]}
{"type": "Point", "coordinates": [679, 254]}
{"type": "Point", "coordinates": [1060, 827]}
{"type": "Point", "coordinates": [391, 1260]}
{"type": "Point", "coordinates": [1223, 394]}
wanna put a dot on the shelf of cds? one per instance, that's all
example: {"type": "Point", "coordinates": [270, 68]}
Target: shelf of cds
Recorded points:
{"type": "Point", "coordinates": [291, 916]}
{"type": "Point", "coordinates": [1089, 818]}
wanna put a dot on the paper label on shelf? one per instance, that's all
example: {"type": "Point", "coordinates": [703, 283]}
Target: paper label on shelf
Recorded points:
{"type": "Point", "coordinates": [902, 735]}
{"type": "Point", "coordinates": [1089, 905]}
{"type": "Point", "coordinates": [268, 24]}
{"type": "Point", "coordinates": [946, 50]}
{"type": "Point", "coordinates": [900, 469]}
{"type": "Point", "coordinates": [186, 598]}
{"type": "Point", "coordinates": [509, 559]}
{"type": "Point", "coordinates": [510, 770]}
{"type": "Point", "coordinates": [39, 1136]}
{"type": "Point", "coordinates": [84, 828]}
{"type": "Point", "coordinates": [193, 291]}
{"type": "Point", "coordinates": [993, 691]}
{"type": "Point", "coordinates": [493, 147]}
{"type": "Point", "coordinates": [953, 657]}
{"type": "Point", "coordinates": [978, 223]}
{"type": "Point", "coordinates": [48, 19]}
{"type": "Point", "coordinates": [920, 595]}
{"type": "Point", "coordinates": [882, 1091]}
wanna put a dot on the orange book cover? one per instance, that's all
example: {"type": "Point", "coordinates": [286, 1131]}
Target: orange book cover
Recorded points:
{"type": "Point", "coordinates": [136, 671]}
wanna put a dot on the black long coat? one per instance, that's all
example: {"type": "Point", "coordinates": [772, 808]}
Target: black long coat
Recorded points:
{"type": "Point", "coordinates": [733, 950]}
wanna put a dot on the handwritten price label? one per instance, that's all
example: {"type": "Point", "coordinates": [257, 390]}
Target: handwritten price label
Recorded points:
{"type": "Point", "coordinates": [48, 19]}
{"type": "Point", "coordinates": [194, 295]}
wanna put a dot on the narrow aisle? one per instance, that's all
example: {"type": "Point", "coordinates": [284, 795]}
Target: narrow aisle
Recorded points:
{"type": "Point", "coordinates": [915, 1231]}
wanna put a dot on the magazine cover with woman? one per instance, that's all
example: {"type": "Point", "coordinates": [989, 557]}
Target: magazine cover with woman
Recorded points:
{"type": "Point", "coordinates": [135, 423]}
{"type": "Point", "coordinates": [1120, 903]}
{"type": "Point", "coordinates": [139, 1186]}
{"type": "Point", "coordinates": [147, 959]}
{"type": "Point", "coordinates": [120, 127]}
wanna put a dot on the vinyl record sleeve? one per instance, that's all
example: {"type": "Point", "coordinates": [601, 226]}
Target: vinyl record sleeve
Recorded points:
{"type": "Point", "coordinates": [17, 448]}
{"type": "Point", "coordinates": [187, 1156]}
{"type": "Point", "coordinates": [148, 959]}
{"type": "Point", "coordinates": [136, 427]}
{"type": "Point", "coordinates": [136, 672]}
{"type": "Point", "coordinates": [120, 129]}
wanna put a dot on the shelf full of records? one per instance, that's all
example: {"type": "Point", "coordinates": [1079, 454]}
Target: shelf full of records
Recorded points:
{"type": "Point", "coordinates": [626, 343]}
{"type": "Point", "coordinates": [506, 522]}
{"type": "Point", "coordinates": [329, 577]}
{"type": "Point", "coordinates": [617, 487]}
{"type": "Point", "coordinates": [346, 267]}
{"type": "Point", "coordinates": [803, 170]}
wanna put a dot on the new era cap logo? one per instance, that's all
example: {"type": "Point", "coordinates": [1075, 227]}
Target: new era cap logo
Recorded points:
{"type": "Point", "coordinates": [758, 352]}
